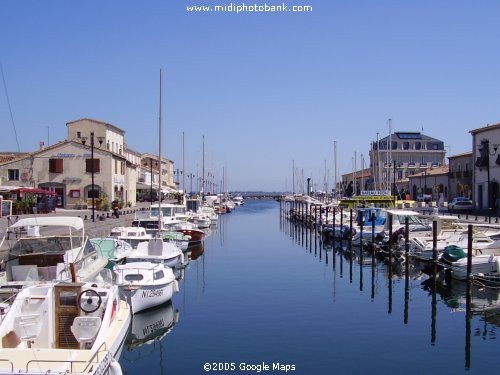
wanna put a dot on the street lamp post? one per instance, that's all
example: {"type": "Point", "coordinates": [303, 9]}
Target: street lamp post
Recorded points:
{"type": "Point", "coordinates": [425, 184]}
{"type": "Point", "coordinates": [100, 140]}
{"type": "Point", "coordinates": [484, 148]}
{"type": "Point", "coordinates": [178, 173]}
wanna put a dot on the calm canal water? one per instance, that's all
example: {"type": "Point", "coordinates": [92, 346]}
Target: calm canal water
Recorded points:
{"type": "Point", "coordinates": [261, 294]}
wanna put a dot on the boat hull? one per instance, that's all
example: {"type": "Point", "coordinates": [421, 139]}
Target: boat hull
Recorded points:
{"type": "Point", "coordinates": [196, 235]}
{"type": "Point", "coordinates": [143, 297]}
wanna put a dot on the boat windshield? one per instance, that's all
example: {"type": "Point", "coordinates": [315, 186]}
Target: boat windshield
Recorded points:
{"type": "Point", "coordinates": [166, 211]}
{"type": "Point", "coordinates": [180, 210]}
{"type": "Point", "coordinates": [45, 245]}
{"type": "Point", "coordinates": [411, 219]}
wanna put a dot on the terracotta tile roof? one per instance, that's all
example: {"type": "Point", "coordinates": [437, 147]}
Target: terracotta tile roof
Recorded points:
{"type": "Point", "coordinates": [468, 153]}
{"type": "Point", "coordinates": [9, 156]}
{"type": "Point", "coordinates": [433, 172]}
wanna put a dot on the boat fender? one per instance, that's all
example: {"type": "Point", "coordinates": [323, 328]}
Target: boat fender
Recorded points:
{"type": "Point", "coordinates": [114, 308]}
{"type": "Point", "coordinates": [176, 286]}
{"type": "Point", "coordinates": [115, 368]}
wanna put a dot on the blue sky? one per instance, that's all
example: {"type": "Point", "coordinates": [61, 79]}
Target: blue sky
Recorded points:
{"type": "Point", "coordinates": [264, 88]}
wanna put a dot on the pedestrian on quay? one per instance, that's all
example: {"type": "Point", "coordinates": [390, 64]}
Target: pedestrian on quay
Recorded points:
{"type": "Point", "coordinates": [114, 205]}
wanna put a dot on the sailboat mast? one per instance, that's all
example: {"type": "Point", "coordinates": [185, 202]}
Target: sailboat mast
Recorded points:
{"type": "Point", "coordinates": [203, 170]}
{"type": "Point", "coordinates": [159, 156]}
{"type": "Point", "coordinates": [183, 170]}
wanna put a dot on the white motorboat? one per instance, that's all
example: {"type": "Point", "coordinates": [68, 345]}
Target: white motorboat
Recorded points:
{"type": "Point", "coordinates": [398, 216]}
{"type": "Point", "coordinates": [178, 239]}
{"type": "Point", "coordinates": [482, 244]}
{"type": "Point", "coordinates": [39, 251]}
{"type": "Point", "coordinates": [201, 220]}
{"type": "Point", "coordinates": [145, 284]}
{"type": "Point", "coordinates": [238, 200]}
{"type": "Point", "coordinates": [481, 264]}
{"type": "Point", "coordinates": [132, 235]}
{"type": "Point", "coordinates": [64, 328]}
{"type": "Point", "coordinates": [157, 251]}
{"type": "Point", "coordinates": [209, 211]}
{"type": "Point", "coordinates": [166, 213]}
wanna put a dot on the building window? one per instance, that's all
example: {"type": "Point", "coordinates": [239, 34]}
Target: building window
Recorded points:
{"type": "Point", "coordinates": [466, 167]}
{"type": "Point", "coordinates": [56, 165]}
{"type": "Point", "coordinates": [92, 168]}
{"type": "Point", "coordinates": [406, 145]}
{"type": "Point", "coordinates": [394, 145]}
{"type": "Point", "coordinates": [107, 145]}
{"type": "Point", "coordinates": [116, 166]}
{"type": "Point", "coordinates": [123, 168]}
{"type": "Point", "coordinates": [14, 174]}
{"type": "Point", "coordinates": [418, 145]}
{"type": "Point", "coordinates": [120, 150]}
{"type": "Point", "coordinates": [78, 134]}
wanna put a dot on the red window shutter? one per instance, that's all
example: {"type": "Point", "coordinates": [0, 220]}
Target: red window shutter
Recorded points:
{"type": "Point", "coordinates": [55, 165]}
{"type": "Point", "coordinates": [52, 165]}
{"type": "Point", "coordinates": [59, 165]}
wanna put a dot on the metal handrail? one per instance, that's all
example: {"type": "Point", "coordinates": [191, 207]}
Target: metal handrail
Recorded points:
{"type": "Point", "coordinates": [69, 361]}
{"type": "Point", "coordinates": [11, 364]}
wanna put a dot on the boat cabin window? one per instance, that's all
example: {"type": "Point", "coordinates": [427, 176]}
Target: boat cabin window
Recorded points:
{"type": "Point", "coordinates": [68, 299]}
{"type": "Point", "coordinates": [146, 224]}
{"type": "Point", "coordinates": [158, 275]}
{"type": "Point", "coordinates": [411, 219]}
{"type": "Point", "coordinates": [135, 277]}
{"type": "Point", "coordinates": [45, 245]}
{"type": "Point", "coordinates": [166, 211]}
{"type": "Point", "coordinates": [180, 210]}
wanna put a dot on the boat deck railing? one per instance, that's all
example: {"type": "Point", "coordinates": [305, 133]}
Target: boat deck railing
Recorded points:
{"type": "Point", "coordinates": [94, 359]}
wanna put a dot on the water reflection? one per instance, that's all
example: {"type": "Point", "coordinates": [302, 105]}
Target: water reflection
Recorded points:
{"type": "Point", "coordinates": [196, 251]}
{"type": "Point", "coordinates": [480, 301]}
{"type": "Point", "coordinates": [152, 325]}
{"type": "Point", "coordinates": [146, 339]}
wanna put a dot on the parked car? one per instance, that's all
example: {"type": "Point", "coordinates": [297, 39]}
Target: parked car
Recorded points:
{"type": "Point", "coordinates": [460, 204]}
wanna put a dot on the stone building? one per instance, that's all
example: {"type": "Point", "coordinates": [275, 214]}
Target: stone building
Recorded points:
{"type": "Point", "coordinates": [460, 175]}
{"type": "Point", "coordinates": [66, 167]}
{"type": "Point", "coordinates": [432, 183]}
{"type": "Point", "coordinates": [486, 171]}
{"type": "Point", "coordinates": [401, 155]}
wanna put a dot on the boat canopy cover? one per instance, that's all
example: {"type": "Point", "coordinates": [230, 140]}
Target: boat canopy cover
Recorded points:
{"type": "Point", "coordinates": [61, 221]}
{"type": "Point", "coordinates": [403, 212]}
{"type": "Point", "coordinates": [453, 253]}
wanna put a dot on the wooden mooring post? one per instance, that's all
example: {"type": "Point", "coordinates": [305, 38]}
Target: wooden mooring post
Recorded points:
{"type": "Point", "coordinates": [350, 230]}
{"type": "Point", "coordinates": [434, 248]}
{"type": "Point", "coordinates": [333, 226]}
{"type": "Point", "coordinates": [468, 299]}
{"type": "Point", "coordinates": [341, 226]}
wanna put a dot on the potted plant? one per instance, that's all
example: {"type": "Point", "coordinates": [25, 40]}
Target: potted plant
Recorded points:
{"type": "Point", "coordinates": [105, 205]}
{"type": "Point", "coordinates": [129, 204]}
{"type": "Point", "coordinates": [16, 207]}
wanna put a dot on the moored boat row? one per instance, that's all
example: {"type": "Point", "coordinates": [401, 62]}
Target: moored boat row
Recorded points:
{"type": "Point", "coordinates": [68, 299]}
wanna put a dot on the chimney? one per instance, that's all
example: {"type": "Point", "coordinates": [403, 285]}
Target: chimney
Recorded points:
{"type": "Point", "coordinates": [42, 145]}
